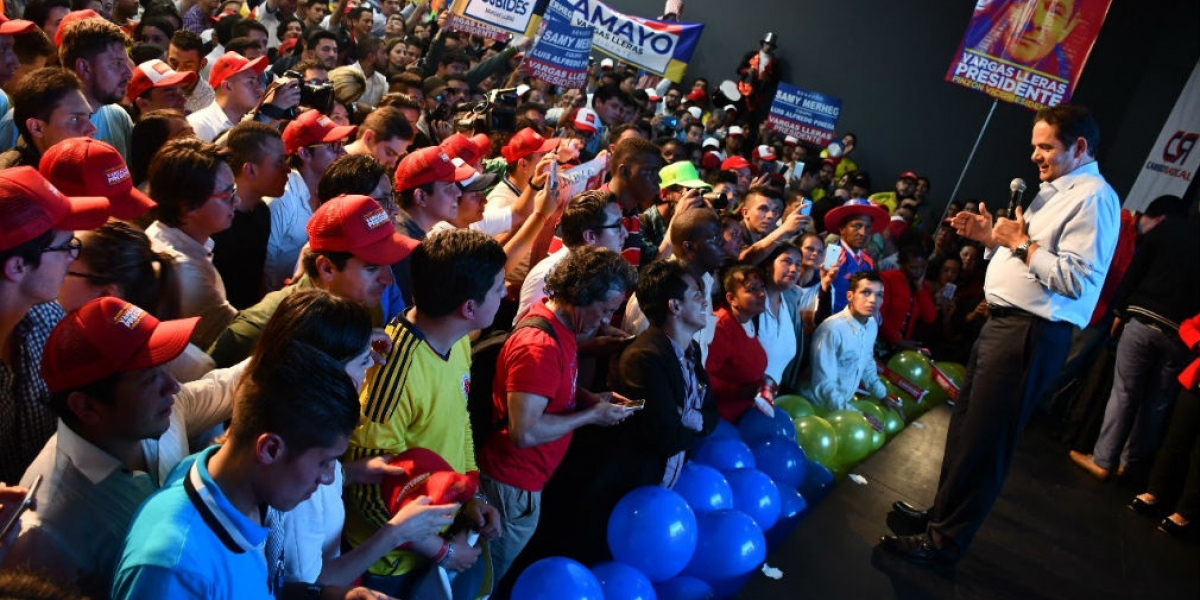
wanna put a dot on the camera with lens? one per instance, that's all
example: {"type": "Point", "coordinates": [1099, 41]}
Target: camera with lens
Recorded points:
{"type": "Point", "coordinates": [718, 200]}
{"type": "Point", "coordinates": [499, 110]}
{"type": "Point", "coordinates": [317, 96]}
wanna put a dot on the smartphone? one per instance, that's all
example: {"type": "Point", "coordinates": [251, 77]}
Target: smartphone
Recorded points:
{"type": "Point", "coordinates": [833, 255]}
{"type": "Point", "coordinates": [553, 179]}
{"type": "Point", "coordinates": [27, 502]}
{"type": "Point", "coordinates": [638, 404]}
{"type": "Point", "coordinates": [948, 290]}
{"type": "Point", "coordinates": [670, 122]}
{"type": "Point", "coordinates": [806, 208]}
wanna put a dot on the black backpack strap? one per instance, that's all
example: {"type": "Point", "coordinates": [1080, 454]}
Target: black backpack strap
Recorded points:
{"type": "Point", "coordinates": [540, 323]}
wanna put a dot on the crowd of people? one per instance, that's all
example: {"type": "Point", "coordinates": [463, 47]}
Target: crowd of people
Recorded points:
{"type": "Point", "coordinates": [325, 300]}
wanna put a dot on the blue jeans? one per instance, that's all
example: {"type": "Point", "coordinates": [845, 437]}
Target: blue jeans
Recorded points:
{"type": "Point", "coordinates": [1144, 387]}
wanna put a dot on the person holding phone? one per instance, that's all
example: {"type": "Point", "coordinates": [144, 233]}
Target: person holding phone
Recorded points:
{"type": "Point", "coordinates": [535, 395]}
{"type": "Point", "coordinates": [14, 500]}
{"type": "Point", "coordinates": [855, 222]}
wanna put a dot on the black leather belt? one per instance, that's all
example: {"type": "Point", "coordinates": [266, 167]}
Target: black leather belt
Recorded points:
{"type": "Point", "coordinates": [995, 311]}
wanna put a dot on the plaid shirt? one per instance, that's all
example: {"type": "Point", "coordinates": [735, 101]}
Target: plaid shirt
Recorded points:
{"type": "Point", "coordinates": [26, 421]}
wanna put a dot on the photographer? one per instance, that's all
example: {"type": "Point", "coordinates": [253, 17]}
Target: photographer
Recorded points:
{"type": "Point", "coordinates": [237, 82]}
{"type": "Point", "coordinates": [434, 124]}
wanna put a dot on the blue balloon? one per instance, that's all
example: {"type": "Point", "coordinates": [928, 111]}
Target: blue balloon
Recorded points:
{"type": "Point", "coordinates": [756, 426]}
{"type": "Point", "coordinates": [726, 454]}
{"type": "Point", "coordinates": [791, 510]}
{"type": "Point", "coordinates": [728, 588]}
{"type": "Point", "coordinates": [684, 588]}
{"type": "Point", "coordinates": [724, 429]}
{"type": "Point", "coordinates": [653, 530]}
{"type": "Point", "coordinates": [623, 582]}
{"type": "Point", "coordinates": [756, 495]}
{"type": "Point", "coordinates": [730, 544]}
{"type": "Point", "coordinates": [782, 459]}
{"type": "Point", "coordinates": [557, 578]}
{"type": "Point", "coordinates": [817, 482]}
{"type": "Point", "coordinates": [704, 488]}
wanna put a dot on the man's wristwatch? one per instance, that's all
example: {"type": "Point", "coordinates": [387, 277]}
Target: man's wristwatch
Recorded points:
{"type": "Point", "coordinates": [1023, 250]}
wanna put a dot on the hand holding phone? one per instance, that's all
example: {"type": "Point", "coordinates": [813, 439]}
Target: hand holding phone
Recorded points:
{"type": "Point", "coordinates": [633, 405]}
{"type": "Point", "coordinates": [948, 290]}
{"type": "Point", "coordinates": [833, 255]}
{"type": "Point", "coordinates": [19, 508]}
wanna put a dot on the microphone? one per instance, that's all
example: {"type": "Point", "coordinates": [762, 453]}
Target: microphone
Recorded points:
{"type": "Point", "coordinates": [1017, 187]}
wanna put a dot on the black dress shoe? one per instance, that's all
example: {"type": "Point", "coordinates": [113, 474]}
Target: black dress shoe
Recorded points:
{"type": "Point", "coordinates": [910, 512]}
{"type": "Point", "coordinates": [913, 548]}
{"type": "Point", "coordinates": [1146, 509]}
{"type": "Point", "coordinates": [1175, 529]}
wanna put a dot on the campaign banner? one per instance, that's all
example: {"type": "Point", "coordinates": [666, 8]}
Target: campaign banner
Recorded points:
{"type": "Point", "coordinates": [1027, 52]}
{"type": "Point", "coordinates": [560, 55]}
{"type": "Point", "coordinates": [496, 19]}
{"type": "Point", "coordinates": [1174, 157]}
{"type": "Point", "coordinates": [660, 47]}
{"type": "Point", "coordinates": [809, 116]}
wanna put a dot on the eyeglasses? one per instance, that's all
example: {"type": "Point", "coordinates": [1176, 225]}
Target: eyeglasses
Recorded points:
{"type": "Point", "coordinates": [72, 248]}
{"type": "Point", "coordinates": [93, 279]}
{"type": "Point", "coordinates": [618, 224]}
{"type": "Point", "coordinates": [226, 195]}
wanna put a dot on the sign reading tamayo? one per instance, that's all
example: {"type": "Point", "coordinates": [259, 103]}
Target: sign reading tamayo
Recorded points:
{"type": "Point", "coordinates": [810, 116]}
{"type": "Point", "coordinates": [661, 47]}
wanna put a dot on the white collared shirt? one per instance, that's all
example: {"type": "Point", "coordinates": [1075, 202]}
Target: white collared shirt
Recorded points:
{"type": "Point", "coordinates": [1075, 221]}
{"type": "Point", "coordinates": [289, 218]}
{"type": "Point", "coordinates": [210, 121]}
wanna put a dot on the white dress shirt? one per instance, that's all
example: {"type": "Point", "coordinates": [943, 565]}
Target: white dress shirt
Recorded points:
{"type": "Point", "coordinates": [289, 218]}
{"type": "Point", "coordinates": [1075, 221]}
{"type": "Point", "coordinates": [210, 122]}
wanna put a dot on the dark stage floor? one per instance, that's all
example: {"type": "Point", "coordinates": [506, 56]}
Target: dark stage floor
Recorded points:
{"type": "Point", "coordinates": [1053, 533]}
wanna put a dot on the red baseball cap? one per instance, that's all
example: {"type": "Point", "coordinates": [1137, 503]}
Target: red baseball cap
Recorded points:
{"type": "Point", "coordinates": [526, 142]}
{"type": "Point", "coordinates": [461, 146]}
{"type": "Point", "coordinates": [587, 120]}
{"type": "Point", "coordinates": [483, 143]}
{"type": "Point", "coordinates": [107, 336]}
{"type": "Point", "coordinates": [733, 163]}
{"type": "Point", "coordinates": [710, 161]}
{"type": "Point", "coordinates": [30, 206]}
{"type": "Point", "coordinates": [909, 175]}
{"type": "Point", "coordinates": [15, 26]}
{"type": "Point", "coordinates": [360, 226]}
{"type": "Point", "coordinates": [231, 63]}
{"type": "Point", "coordinates": [428, 165]}
{"type": "Point", "coordinates": [312, 128]}
{"type": "Point", "coordinates": [155, 74]}
{"type": "Point", "coordinates": [426, 474]}
{"type": "Point", "coordinates": [764, 152]}
{"type": "Point", "coordinates": [71, 17]}
{"type": "Point", "coordinates": [87, 167]}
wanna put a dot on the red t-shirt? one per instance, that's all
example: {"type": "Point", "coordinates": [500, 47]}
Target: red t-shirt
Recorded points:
{"type": "Point", "coordinates": [533, 363]}
{"type": "Point", "coordinates": [736, 365]}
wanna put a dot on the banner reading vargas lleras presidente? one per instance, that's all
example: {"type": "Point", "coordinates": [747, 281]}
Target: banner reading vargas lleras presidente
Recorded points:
{"type": "Point", "coordinates": [1027, 52]}
{"type": "Point", "coordinates": [660, 47]}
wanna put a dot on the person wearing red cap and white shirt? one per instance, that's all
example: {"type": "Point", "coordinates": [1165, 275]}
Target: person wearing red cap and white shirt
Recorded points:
{"type": "Point", "coordinates": [348, 224]}
{"type": "Point", "coordinates": [8, 67]}
{"type": "Point", "coordinates": [523, 152]}
{"type": "Point", "coordinates": [734, 138]}
{"type": "Point", "coordinates": [312, 142]}
{"type": "Point", "coordinates": [762, 160]}
{"type": "Point", "coordinates": [124, 423]}
{"type": "Point", "coordinates": [237, 83]}
{"type": "Point", "coordinates": [94, 49]}
{"type": "Point", "coordinates": [156, 85]}
{"type": "Point", "coordinates": [740, 167]}
{"type": "Point", "coordinates": [36, 249]}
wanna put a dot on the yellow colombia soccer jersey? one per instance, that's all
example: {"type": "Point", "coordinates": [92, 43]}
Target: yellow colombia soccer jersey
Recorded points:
{"type": "Point", "coordinates": [417, 399]}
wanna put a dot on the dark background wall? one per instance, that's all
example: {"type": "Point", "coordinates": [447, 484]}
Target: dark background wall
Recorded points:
{"type": "Point", "coordinates": [886, 60]}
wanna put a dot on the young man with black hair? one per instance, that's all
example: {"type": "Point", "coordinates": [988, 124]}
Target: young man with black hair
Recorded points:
{"type": "Point", "coordinates": [843, 346]}
{"type": "Point", "coordinates": [418, 397]}
{"type": "Point", "coordinates": [48, 107]}
{"type": "Point", "coordinates": [203, 535]}
{"type": "Point", "coordinates": [186, 55]}
{"type": "Point", "coordinates": [94, 49]}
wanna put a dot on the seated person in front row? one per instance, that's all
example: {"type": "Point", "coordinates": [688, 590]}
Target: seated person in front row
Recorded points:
{"type": "Point", "coordinates": [844, 346]}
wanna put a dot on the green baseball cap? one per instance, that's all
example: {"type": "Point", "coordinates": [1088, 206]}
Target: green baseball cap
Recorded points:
{"type": "Point", "coordinates": [681, 173]}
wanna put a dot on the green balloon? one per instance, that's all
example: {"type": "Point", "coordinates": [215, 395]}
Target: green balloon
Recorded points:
{"type": "Point", "coordinates": [872, 411]}
{"type": "Point", "coordinates": [795, 406]}
{"type": "Point", "coordinates": [914, 367]}
{"type": "Point", "coordinates": [954, 371]}
{"type": "Point", "coordinates": [818, 439]}
{"type": "Point", "coordinates": [912, 410]}
{"type": "Point", "coordinates": [853, 436]}
{"type": "Point", "coordinates": [878, 439]}
{"type": "Point", "coordinates": [892, 423]}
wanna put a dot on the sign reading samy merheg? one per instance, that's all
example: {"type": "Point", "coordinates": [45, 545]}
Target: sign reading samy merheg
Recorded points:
{"type": "Point", "coordinates": [810, 116]}
{"type": "Point", "coordinates": [560, 55]}
{"type": "Point", "coordinates": [1027, 52]}
{"type": "Point", "coordinates": [660, 47]}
